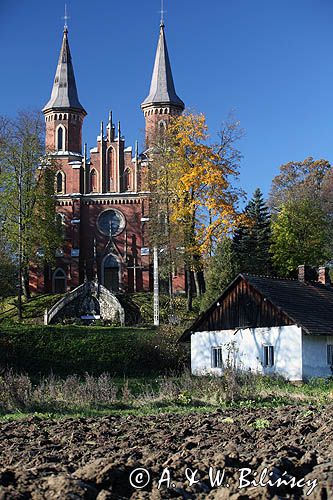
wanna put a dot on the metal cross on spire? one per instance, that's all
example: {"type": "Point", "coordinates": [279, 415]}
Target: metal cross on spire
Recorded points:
{"type": "Point", "coordinates": [65, 18]}
{"type": "Point", "coordinates": [162, 12]}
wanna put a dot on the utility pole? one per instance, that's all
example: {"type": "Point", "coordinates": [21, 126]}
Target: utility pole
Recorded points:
{"type": "Point", "coordinates": [19, 302]}
{"type": "Point", "coordinates": [156, 290]}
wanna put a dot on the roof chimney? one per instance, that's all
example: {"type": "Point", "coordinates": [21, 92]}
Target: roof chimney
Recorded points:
{"type": "Point", "coordinates": [324, 276]}
{"type": "Point", "coordinates": [306, 273]}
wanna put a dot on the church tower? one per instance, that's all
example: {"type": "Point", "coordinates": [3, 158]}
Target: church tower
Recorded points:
{"type": "Point", "coordinates": [101, 197]}
{"type": "Point", "coordinates": [162, 101]}
{"type": "Point", "coordinates": [64, 117]}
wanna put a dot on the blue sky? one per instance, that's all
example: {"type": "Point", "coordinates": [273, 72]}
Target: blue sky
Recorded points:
{"type": "Point", "coordinates": [271, 61]}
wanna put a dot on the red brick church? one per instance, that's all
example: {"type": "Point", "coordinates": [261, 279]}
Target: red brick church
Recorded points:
{"type": "Point", "coordinates": [102, 197]}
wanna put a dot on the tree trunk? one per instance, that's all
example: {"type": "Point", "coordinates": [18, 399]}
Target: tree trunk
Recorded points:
{"type": "Point", "coordinates": [25, 284]}
{"type": "Point", "coordinates": [197, 283]}
{"type": "Point", "coordinates": [189, 290]}
{"type": "Point", "coordinates": [170, 289]}
{"type": "Point", "coordinates": [202, 282]}
{"type": "Point", "coordinates": [19, 298]}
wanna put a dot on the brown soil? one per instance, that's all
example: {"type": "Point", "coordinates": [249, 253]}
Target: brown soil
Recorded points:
{"type": "Point", "coordinates": [93, 458]}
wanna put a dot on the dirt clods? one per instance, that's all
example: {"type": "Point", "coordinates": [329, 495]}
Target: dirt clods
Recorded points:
{"type": "Point", "coordinates": [232, 454]}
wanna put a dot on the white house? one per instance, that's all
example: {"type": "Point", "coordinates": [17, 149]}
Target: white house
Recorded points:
{"type": "Point", "coordinates": [267, 325]}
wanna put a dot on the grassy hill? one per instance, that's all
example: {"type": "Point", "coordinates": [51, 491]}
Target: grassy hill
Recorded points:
{"type": "Point", "coordinates": [133, 351]}
{"type": "Point", "coordinates": [64, 350]}
{"type": "Point", "coordinates": [33, 310]}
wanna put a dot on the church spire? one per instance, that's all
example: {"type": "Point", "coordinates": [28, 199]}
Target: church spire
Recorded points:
{"type": "Point", "coordinates": [64, 93]}
{"type": "Point", "coordinates": [162, 88]}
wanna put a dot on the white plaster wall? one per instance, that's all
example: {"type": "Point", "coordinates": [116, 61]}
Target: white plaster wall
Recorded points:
{"type": "Point", "coordinates": [287, 342]}
{"type": "Point", "coordinates": [315, 356]}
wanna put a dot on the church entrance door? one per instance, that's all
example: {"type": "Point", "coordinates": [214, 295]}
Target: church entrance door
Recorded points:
{"type": "Point", "coordinates": [111, 273]}
{"type": "Point", "coordinates": [59, 281]}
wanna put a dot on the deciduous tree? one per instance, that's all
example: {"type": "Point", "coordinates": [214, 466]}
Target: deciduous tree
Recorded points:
{"type": "Point", "coordinates": [27, 193]}
{"type": "Point", "coordinates": [8, 270]}
{"type": "Point", "coordinates": [197, 180]}
{"type": "Point", "coordinates": [301, 200]}
{"type": "Point", "coordinates": [299, 179]}
{"type": "Point", "coordinates": [301, 234]}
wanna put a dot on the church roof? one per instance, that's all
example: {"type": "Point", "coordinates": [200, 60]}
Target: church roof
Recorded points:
{"type": "Point", "coordinates": [64, 92]}
{"type": "Point", "coordinates": [162, 88]}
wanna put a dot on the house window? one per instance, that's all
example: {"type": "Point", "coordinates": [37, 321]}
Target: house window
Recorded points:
{"type": "Point", "coordinates": [268, 351]}
{"type": "Point", "coordinates": [217, 357]}
{"type": "Point", "coordinates": [330, 354]}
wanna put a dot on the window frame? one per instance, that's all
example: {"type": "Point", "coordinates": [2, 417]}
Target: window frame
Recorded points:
{"type": "Point", "coordinates": [63, 138]}
{"type": "Point", "coordinates": [93, 180]}
{"type": "Point", "coordinates": [268, 356]}
{"type": "Point", "coordinates": [329, 354]}
{"type": "Point", "coordinates": [216, 357]}
{"type": "Point", "coordinates": [61, 174]}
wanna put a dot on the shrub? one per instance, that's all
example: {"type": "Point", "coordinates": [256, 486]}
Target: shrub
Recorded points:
{"type": "Point", "coordinates": [64, 350]}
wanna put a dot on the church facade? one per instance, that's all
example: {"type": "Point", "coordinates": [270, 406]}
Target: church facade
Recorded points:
{"type": "Point", "coordinates": [102, 196]}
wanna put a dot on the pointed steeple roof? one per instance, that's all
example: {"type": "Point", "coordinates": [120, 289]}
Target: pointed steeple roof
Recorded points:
{"type": "Point", "coordinates": [162, 88]}
{"type": "Point", "coordinates": [64, 92]}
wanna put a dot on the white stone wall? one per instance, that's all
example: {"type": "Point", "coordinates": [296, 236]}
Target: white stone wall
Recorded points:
{"type": "Point", "coordinates": [248, 352]}
{"type": "Point", "coordinates": [315, 356]}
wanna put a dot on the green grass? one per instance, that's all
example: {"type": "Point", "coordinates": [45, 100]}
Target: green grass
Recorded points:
{"type": "Point", "coordinates": [77, 349]}
{"type": "Point", "coordinates": [157, 409]}
{"type": "Point", "coordinates": [32, 310]}
{"type": "Point", "coordinates": [88, 413]}
{"type": "Point", "coordinates": [139, 307]}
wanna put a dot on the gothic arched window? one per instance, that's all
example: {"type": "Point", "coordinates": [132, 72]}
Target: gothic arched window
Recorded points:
{"type": "Point", "coordinates": [60, 182]}
{"type": "Point", "coordinates": [127, 179]}
{"type": "Point", "coordinates": [61, 138]}
{"type": "Point", "coordinates": [93, 180]}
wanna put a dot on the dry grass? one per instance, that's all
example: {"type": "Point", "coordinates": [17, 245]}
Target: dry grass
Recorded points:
{"type": "Point", "coordinates": [54, 394]}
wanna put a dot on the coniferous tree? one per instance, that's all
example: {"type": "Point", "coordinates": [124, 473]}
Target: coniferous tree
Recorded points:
{"type": "Point", "coordinates": [253, 237]}
{"type": "Point", "coordinates": [221, 269]}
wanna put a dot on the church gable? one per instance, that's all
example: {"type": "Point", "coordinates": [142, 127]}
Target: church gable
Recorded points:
{"type": "Point", "coordinates": [112, 180]}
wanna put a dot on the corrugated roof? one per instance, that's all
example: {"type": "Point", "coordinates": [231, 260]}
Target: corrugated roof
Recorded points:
{"type": "Point", "coordinates": [64, 92]}
{"type": "Point", "coordinates": [162, 88]}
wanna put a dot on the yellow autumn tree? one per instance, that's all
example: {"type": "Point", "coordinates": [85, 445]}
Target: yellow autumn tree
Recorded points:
{"type": "Point", "coordinates": [193, 185]}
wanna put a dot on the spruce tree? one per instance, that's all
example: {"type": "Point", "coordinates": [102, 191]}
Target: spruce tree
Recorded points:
{"type": "Point", "coordinates": [221, 269]}
{"type": "Point", "coordinates": [253, 237]}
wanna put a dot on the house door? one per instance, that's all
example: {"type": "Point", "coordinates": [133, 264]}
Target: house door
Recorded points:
{"type": "Point", "coordinates": [111, 274]}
